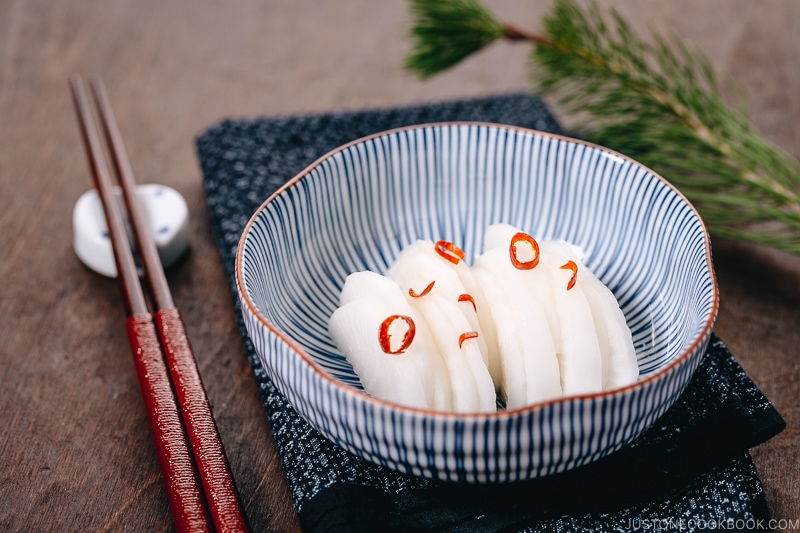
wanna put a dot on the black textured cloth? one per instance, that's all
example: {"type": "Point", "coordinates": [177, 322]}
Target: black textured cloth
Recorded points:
{"type": "Point", "coordinates": [690, 471]}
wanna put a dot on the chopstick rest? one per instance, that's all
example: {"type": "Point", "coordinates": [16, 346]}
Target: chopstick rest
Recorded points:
{"type": "Point", "coordinates": [165, 210]}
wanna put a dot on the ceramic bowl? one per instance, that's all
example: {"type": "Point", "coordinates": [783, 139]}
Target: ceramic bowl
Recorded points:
{"type": "Point", "coordinates": [358, 206]}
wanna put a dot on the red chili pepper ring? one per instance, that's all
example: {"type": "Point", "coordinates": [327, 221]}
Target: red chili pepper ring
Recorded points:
{"type": "Point", "coordinates": [521, 237]}
{"type": "Point", "coordinates": [426, 290]}
{"type": "Point", "coordinates": [384, 337]}
{"type": "Point", "coordinates": [465, 336]}
{"type": "Point", "coordinates": [449, 251]}
{"type": "Point", "coordinates": [468, 298]}
{"type": "Point", "coordinates": [570, 265]}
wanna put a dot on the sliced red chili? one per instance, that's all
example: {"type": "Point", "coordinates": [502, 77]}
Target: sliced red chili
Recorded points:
{"type": "Point", "coordinates": [521, 237]}
{"type": "Point", "coordinates": [468, 298]}
{"type": "Point", "coordinates": [384, 337]}
{"type": "Point", "coordinates": [449, 251]}
{"type": "Point", "coordinates": [570, 265]}
{"type": "Point", "coordinates": [465, 336]}
{"type": "Point", "coordinates": [413, 293]}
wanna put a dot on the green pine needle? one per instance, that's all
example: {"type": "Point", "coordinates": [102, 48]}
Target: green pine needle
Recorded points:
{"type": "Point", "coordinates": [659, 102]}
{"type": "Point", "coordinates": [447, 32]}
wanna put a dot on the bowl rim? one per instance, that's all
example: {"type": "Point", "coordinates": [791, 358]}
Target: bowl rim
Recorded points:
{"type": "Point", "coordinates": [361, 395]}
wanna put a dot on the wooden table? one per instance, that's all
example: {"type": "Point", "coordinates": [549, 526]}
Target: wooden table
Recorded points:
{"type": "Point", "coordinates": [75, 448]}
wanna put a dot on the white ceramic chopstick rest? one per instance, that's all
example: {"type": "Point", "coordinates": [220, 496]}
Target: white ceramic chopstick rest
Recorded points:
{"type": "Point", "coordinates": [165, 210]}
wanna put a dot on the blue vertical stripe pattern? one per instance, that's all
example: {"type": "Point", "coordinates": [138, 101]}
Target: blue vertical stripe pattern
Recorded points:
{"type": "Point", "coordinates": [355, 208]}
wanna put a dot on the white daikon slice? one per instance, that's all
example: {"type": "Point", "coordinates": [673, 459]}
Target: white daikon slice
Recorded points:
{"type": "Point", "coordinates": [441, 394]}
{"type": "Point", "coordinates": [534, 281]}
{"type": "Point", "coordinates": [481, 310]}
{"type": "Point", "coordinates": [446, 325]}
{"type": "Point", "coordinates": [620, 366]}
{"type": "Point", "coordinates": [470, 383]}
{"type": "Point", "coordinates": [369, 285]}
{"type": "Point", "coordinates": [579, 355]}
{"type": "Point", "coordinates": [523, 333]}
{"type": "Point", "coordinates": [512, 382]}
{"type": "Point", "coordinates": [377, 298]}
{"type": "Point", "coordinates": [354, 327]}
{"type": "Point", "coordinates": [498, 235]}
{"type": "Point", "coordinates": [420, 261]}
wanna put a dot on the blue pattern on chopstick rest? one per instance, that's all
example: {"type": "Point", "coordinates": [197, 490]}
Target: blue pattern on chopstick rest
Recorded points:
{"type": "Point", "coordinates": [357, 208]}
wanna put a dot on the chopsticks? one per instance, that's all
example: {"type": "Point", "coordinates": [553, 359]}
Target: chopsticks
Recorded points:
{"type": "Point", "coordinates": [193, 463]}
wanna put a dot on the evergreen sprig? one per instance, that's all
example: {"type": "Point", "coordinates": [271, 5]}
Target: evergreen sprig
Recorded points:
{"type": "Point", "coordinates": [448, 32]}
{"type": "Point", "coordinates": [659, 102]}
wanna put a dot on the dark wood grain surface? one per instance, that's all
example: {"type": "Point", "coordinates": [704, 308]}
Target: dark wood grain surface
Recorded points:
{"type": "Point", "coordinates": [75, 449]}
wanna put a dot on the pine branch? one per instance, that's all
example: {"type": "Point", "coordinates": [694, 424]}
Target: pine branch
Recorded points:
{"type": "Point", "coordinates": [448, 32]}
{"type": "Point", "coordinates": [658, 102]}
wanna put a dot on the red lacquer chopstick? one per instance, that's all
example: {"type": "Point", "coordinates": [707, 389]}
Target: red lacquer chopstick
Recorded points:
{"type": "Point", "coordinates": [212, 464]}
{"type": "Point", "coordinates": [184, 490]}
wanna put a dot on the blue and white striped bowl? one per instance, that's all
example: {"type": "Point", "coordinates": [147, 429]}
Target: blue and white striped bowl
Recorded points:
{"type": "Point", "coordinates": [358, 206]}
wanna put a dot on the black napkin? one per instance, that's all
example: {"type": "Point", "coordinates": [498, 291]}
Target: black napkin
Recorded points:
{"type": "Point", "coordinates": [691, 470]}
